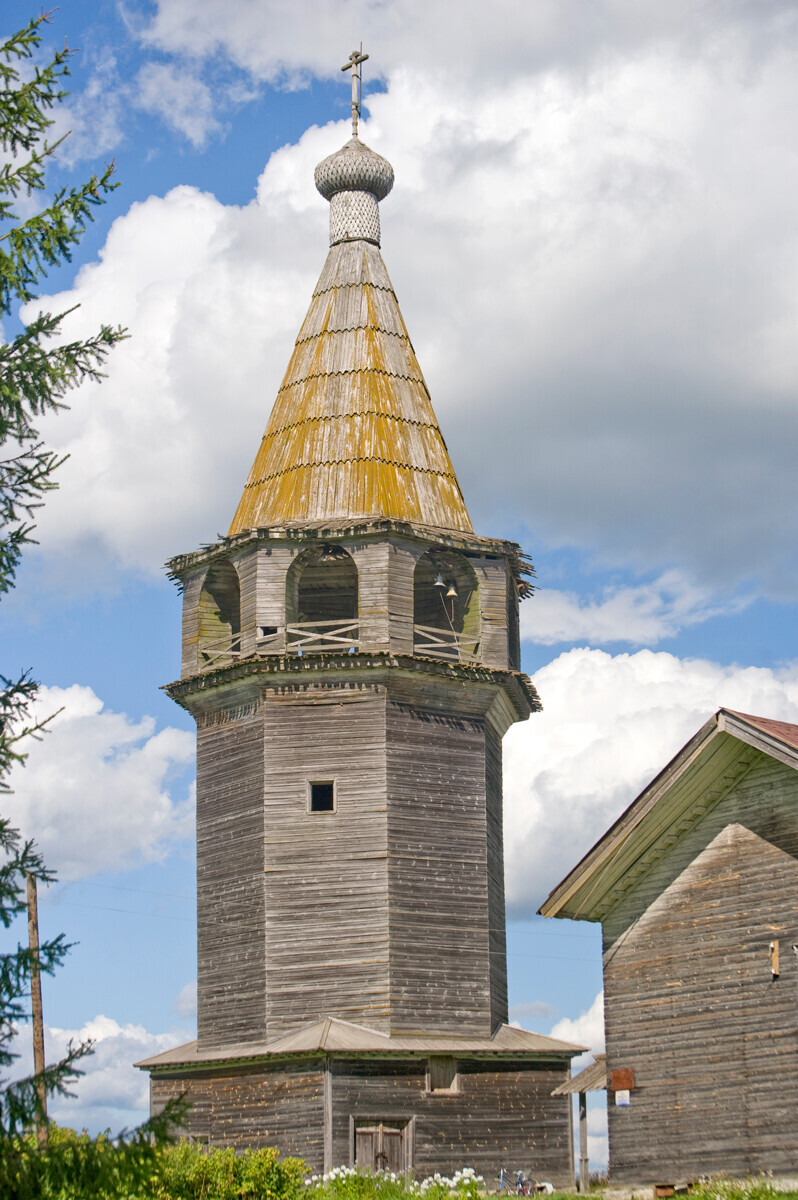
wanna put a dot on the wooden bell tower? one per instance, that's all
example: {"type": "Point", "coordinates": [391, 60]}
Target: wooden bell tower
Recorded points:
{"type": "Point", "coordinates": [351, 658]}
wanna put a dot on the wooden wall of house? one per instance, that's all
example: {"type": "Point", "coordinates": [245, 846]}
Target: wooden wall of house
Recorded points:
{"type": "Point", "coordinates": [691, 1003]}
{"type": "Point", "coordinates": [280, 1106]}
{"type": "Point", "coordinates": [502, 1115]}
{"type": "Point", "coordinates": [231, 983]}
{"type": "Point", "coordinates": [438, 871]}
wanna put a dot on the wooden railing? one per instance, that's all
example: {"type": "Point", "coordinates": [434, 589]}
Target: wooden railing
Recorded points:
{"type": "Point", "coordinates": [305, 637]}
{"type": "Point", "coordinates": [220, 651]}
{"type": "Point", "coordinates": [444, 643]}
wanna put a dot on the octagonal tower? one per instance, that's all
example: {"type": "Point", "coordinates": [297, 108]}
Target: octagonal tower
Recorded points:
{"type": "Point", "coordinates": [351, 657]}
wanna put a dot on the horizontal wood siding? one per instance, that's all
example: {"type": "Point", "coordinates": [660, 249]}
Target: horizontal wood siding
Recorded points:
{"type": "Point", "coordinates": [231, 980]}
{"type": "Point", "coordinates": [437, 837]}
{"type": "Point", "coordinates": [691, 1005]}
{"type": "Point", "coordinates": [192, 589]}
{"type": "Point", "coordinates": [493, 580]}
{"type": "Point", "coordinates": [401, 572]}
{"type": "Point", "coordinates": [513, 622]}
{"type": "Point", "coordinates": [273, 561]}
{"type": "Point", "coordinates": [280, 1106]}
{"type": "Point", "coordinates": [371, 559]}
{"type": "Point", "coordinates": [495, 858]}
{"type": "Point", "coordinates": [502, 1115]}
{"type": "Point", "coordinates": [326, 936]}
{"type": "Point", "coordinates": [247, 566]}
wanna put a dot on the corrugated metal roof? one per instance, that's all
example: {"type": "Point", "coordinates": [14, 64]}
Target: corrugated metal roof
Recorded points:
{"type": "Point", "coordinates": [352, 432]}
{"type": "Point", "coordinates": [592, 1079]}
{"type": "Point", "coordinates": [332, 1036]}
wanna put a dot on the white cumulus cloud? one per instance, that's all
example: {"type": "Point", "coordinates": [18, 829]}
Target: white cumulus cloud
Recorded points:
{"type": "Point", "coordinates": [642, 614]}
{"type": "Point", "coordinates": [112, 1093]}
{"type": "Point", "coordinates": [585, 1030]}
{"type": "Point", "coordinates": [285, 43]}
{"type": "Point", "coordinates": [602, 303]}
{"type": "Point", "coordinates": [179, 97]}
{"type": "Point", "coordinates": [186, 1002]}
{"type": "Point", "coordinates": [609, 725]}
{"type": "Point", "coordinates": [95, 790]}
{"type": "Point", "coordinates": [160, 451]}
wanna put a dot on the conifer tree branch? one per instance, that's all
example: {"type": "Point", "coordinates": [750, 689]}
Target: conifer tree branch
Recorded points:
{"type": "Point", "coordinates": [37, 369]}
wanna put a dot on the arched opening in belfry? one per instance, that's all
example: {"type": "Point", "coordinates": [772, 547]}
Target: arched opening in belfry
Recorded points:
{"type": "Point", "coordinates": [219, 632]}
{"type": "Point", "coordinates": [322, 600]}
{"type": "Point", "coordinates": [446, 614]}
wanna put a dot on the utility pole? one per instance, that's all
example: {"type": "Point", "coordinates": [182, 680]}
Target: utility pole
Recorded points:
{"type": "Point", "coordinates": [36, 1009]}
{"type": "Point", "coordinates": [584, 1165]}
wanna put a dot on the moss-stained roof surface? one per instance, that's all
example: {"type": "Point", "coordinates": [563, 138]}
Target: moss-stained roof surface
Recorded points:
{"type": "Point", "coordinates": [352, 432]}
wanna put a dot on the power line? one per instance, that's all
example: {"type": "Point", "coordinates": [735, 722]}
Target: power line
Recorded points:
{"type": "Point", "coordinates": [117, 887]}
{"type": "Point", "coordinates": [131, 912]}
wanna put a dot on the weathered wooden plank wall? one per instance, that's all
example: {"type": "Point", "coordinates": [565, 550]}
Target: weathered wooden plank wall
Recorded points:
{"type": "Point", "coordinates": [280, 1106]}
{"type": "Point", "coordinates": [437, 846]}
{"type": "Point", "coordinates": [497, 939]}
{"type": "Point", "coordinates": [326, 935]}
{"type": "Point", "coordinates": [192, 588]}
{"type": "Point", "coordinates": [503, 1115]}
{"type": "Point", "coordinates": [231, 985]}
{"type": "Point", "coordinates": [493, 583]}
{"type": "Point", "coordinates": [691, 1004]}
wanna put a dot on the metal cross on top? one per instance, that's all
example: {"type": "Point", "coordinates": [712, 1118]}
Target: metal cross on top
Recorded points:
{"type": "Point", "coordinates": [355, 59]}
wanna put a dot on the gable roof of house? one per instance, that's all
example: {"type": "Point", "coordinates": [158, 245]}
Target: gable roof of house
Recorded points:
{"type": "Point", "coordinates": [695, 780]}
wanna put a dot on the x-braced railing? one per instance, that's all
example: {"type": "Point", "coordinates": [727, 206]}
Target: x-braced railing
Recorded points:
{"type": "Point", "coordinates": [307, 636]}
{"type": "Point", "coordinates": [444, 643]}
{"type": "Point", "coordinates": [223, 649]}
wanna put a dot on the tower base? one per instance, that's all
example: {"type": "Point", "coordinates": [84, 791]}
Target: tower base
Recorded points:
{"type": "Point", "coordinates": [335, 1094]}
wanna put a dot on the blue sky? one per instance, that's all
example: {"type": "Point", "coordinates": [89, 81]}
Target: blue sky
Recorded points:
{"type": "Point", "coordinates": [592, 239]}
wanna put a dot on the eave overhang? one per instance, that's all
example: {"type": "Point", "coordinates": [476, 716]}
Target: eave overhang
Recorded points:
{"type": "Point", "coordinates": [692, 783]}
{"type": "Point", "coordinates": [325, 668]}
{"type": "Point", "coordinates": [334, 1038]}
{"type": "Point", "coordinates": [307, 532]}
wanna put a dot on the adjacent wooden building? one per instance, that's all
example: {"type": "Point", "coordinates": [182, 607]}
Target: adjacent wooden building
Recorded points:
{"type": "Point", "coordinates": [696, 888]}
{"type": "Point", "coordinates": [351, 657]}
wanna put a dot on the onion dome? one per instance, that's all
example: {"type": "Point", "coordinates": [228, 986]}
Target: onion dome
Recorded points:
{"type": "Point", "coordinates": [354, 180]}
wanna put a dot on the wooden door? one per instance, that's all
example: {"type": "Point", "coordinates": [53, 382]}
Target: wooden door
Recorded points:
{"type": "Point", "coordinates": [378, 1146]}
{"type": "Point", "coordinates": [366, 1147]}
{"type": "Point", "coordinates": [391, 1149]}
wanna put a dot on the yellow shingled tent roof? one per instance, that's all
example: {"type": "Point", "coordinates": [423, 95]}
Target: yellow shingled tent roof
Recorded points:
{"type": "Point", "coordinates": [352, 433]}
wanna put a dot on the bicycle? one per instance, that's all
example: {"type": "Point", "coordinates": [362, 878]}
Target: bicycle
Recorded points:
{"type": "Point", "coordinates": [523, 1186]}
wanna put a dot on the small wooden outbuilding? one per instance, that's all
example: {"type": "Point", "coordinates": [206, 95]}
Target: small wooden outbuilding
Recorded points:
{"type": "Point", "coordinates": [696, 888]}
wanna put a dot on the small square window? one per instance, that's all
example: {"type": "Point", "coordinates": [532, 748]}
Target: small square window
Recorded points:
{"type": "Point", "coordinates": [442, 1075]}
{"type": "Point", "coordinates": [322, 797]}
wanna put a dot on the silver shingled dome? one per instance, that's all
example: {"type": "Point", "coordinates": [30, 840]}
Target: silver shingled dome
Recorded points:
{"type": "Point", "coordinates": [354, 168]}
